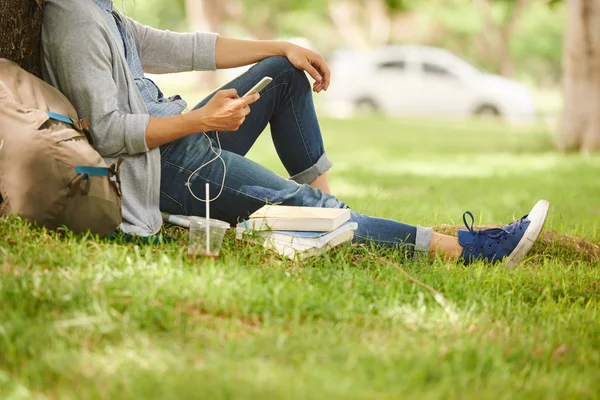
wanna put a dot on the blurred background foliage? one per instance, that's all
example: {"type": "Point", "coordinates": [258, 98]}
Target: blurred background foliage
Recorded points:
{"type": "Point", "coordinates": [516, 38]}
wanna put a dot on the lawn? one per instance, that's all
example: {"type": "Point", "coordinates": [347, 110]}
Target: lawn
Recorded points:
{"type": "Point", "coordinates": [83, 318]}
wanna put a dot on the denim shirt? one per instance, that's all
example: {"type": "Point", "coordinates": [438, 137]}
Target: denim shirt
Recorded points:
{"type": "Point", "coordinates": [156, 103]}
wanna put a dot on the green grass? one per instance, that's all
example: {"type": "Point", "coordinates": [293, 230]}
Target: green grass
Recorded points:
{"type": "Point", "coordinates": [83, 318]}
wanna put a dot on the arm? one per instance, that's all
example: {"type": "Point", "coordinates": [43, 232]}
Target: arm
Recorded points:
{"type": "Point", "coordinates": [231, 53]}
{"type": "Point", "coordinates": [165, 51]}
{"type": "Point", "coordinates": [225, 112]}
{"type": "Point", "coordinates": [93, 92]}
{"type": "Point", "coordinates": [89, 85]}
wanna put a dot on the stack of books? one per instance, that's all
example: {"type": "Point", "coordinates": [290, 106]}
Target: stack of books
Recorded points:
{"type": "Point", "coordinates": [298, 231]}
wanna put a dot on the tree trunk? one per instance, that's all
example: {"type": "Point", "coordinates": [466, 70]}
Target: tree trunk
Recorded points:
{"type": "Point", "coordinates": [380, 20]}
{"type": "Point", "coordinates": [343, 14]}
{"type": "Point", "coordinates": [505, 61]}
{"type": "Point", "coordinates": [20, 32]}
{"type": "Point", "coordinates": [496, 37]}
{"type": "Point", "coordinates": [580, 127]}
{"type": "Point", "coordinates": [205, 15]}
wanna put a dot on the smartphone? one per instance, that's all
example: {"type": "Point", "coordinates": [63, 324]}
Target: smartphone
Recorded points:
{"type": "Point", "coordinates": [264, 82]}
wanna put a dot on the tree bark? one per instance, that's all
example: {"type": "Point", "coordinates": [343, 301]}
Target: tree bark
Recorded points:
{"type": "Point", "coordinates": [380, 17]}
{"type": "Point", "coordinates": [507, 67]}
{"type": "Point", "coordinates": [20, 32]}
{"type": "Point", "coordinates": [205, 15]}
{"type": "Point", "coordinates": [496, 37]}
{"type": "Point", "coordinates": [343, 14]}
{"type": "Point", "coordinates": [580, 126]}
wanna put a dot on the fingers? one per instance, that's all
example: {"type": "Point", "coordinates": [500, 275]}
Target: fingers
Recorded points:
{"type": "Point", "coordinates": [312, 71]}
{"type": "Point", "coordinates": [246, 110]}
{"type": "Point", "coordinates": [325, 73]}
{"type": "Point", "coordinates": [240, 117]}
{"type": "Point", "coordinates": [251, 98]}
{"type": "Point", "coordinates": [318, 87]}
{"type": "Point", "coordinates": [320, 72]}
{"type": "Point", "coordinates": [228, 94]}
{"type": "Point", "coordinates": [237, 124]}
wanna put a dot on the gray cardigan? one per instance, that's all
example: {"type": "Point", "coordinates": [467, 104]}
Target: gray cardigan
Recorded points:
{"type": "Point", "coordinates": [83, 60]}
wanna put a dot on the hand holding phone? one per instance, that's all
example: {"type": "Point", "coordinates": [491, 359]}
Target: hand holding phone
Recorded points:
{"type": "Point", "coordinates": [264, 82]}
{"type": "Point", "coordinates": [226, 111]}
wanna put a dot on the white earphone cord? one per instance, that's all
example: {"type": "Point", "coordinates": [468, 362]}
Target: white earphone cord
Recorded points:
{"type": "Point", "coordinates": [217, 157]}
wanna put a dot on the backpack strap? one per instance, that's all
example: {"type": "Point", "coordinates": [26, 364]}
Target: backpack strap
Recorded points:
{"type": "Point", "coordinates": [114, 175]}
{"type": "Point", "coordinates": [59, 117]}
{"type": "Point", "coordinates": [84, 173]}
{"type": "Point", "coordinates": [83, 125]}
{"type": "Point", "coordinates": [82, 182]}
{"type": "Point", "coordinates": [92, 171]}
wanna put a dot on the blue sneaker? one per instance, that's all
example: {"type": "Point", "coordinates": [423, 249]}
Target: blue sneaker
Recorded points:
{"type": "Point", "coordinates": [510, 243]}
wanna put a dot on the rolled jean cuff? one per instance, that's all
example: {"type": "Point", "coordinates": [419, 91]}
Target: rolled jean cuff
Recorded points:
{"type": "Point", "coordinates": [423, 240]}
{"type": "Point", "coordinates": [309, 175]}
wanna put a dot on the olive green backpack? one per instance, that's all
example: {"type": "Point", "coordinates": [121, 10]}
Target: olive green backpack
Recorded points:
{"type": "Point", "coordinates": [49, 172]}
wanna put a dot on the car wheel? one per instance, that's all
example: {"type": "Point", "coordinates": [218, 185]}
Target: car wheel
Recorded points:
{"type": "Point", "coordinates": [366, 106]}
{"type": "Point", "coordinates": [488, 111]}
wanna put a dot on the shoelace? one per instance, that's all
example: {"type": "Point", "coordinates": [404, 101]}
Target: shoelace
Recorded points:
{"type": "Point", "coordinates": [493, 233]}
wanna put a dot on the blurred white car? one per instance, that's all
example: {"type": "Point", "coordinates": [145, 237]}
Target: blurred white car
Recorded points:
{"type": "Point", "coordinates": [422, 81]}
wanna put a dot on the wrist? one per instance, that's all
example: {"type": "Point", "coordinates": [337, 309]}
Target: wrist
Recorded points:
{"type": "Point", "coordinates": [194, 122]}
{"type": "Point", "coordinates": [284, 48]}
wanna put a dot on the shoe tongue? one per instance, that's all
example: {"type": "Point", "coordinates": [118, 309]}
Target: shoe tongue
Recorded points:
{"type": "Point", "coordinates": [465, 237]}
{"type": "Point", "coordinates": [515, 224]}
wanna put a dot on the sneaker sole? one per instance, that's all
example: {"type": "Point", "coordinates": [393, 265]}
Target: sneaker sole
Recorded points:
{"type": "Point", "coordinates": [537, 216]}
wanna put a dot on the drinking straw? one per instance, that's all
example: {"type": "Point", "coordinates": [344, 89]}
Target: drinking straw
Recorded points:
{"type": "Point", "coordinates": [207, 219]}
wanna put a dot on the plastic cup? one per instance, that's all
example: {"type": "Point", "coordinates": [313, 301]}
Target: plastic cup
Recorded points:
{"type": "Point", "coordinates": [198, 237]}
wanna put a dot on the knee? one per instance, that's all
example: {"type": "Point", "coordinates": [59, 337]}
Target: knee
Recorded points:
{"type": "Point", "coordinates": [280, 66]}
{"type": "Point", "coordinates": [277, 65]}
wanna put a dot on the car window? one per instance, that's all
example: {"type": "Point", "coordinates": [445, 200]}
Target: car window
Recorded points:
{"type": "Point", "coordinates": [397, 65]}
{"type": "Point", "coordinates": [436, 70]}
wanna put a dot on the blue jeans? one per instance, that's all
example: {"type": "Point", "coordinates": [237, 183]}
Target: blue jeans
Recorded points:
{"type": "Point", "coordinates": [287, 105]}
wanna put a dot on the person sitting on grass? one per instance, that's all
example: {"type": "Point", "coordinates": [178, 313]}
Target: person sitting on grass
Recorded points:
{"type": "Point", "coordinates": [98, 58]}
